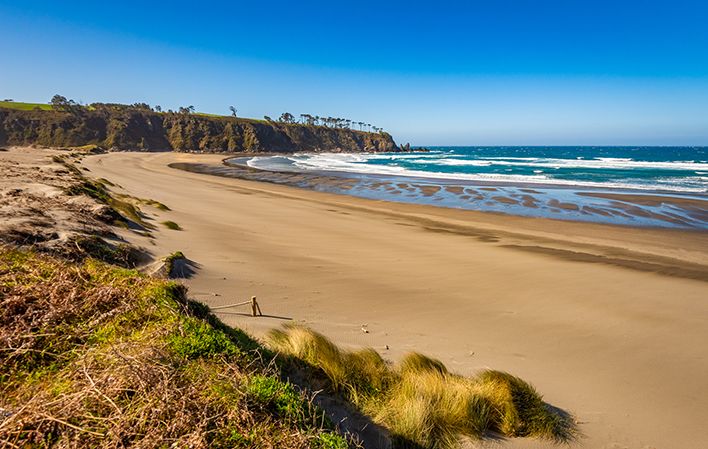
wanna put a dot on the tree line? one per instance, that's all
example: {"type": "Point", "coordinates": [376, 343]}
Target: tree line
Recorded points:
{"type": "Point", "coordinates": [61, 103]}
{"type": "Point", "coordinates": [333, 122]}
{"type": "Point", "coordinates": [316, 120]}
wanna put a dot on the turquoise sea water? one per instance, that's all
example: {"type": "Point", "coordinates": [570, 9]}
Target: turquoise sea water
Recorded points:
{"type": "Point", "coordinates": [639, 186]}
{"type": "Point", "coordinates": [678, 169]}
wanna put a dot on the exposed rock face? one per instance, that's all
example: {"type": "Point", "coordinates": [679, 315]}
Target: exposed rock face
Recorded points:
{"type": "Point", "coordinates": [143, 130]}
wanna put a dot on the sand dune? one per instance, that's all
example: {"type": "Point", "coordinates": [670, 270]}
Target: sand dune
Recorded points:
{"type": "Point", "coordinates": [607, 322]}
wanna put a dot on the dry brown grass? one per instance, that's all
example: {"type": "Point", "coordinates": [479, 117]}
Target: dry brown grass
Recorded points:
{"type": "Point", "coordinates": [95, 356]}
{"type": "Point", "coordinates": [420, 402]}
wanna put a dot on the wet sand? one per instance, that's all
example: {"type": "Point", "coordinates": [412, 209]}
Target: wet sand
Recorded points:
{"type": "Point", "coordinates": [608, 322]}
{"type": "Point", "coordinates": [599, 205]}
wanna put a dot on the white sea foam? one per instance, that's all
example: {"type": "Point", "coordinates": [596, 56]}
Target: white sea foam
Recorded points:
{"type": "Point", "coordinates": [355, 163]}
{"type": "Point", "coordinates": [598, 163]}
{"type": "Point", "coordinates": [454, 162]}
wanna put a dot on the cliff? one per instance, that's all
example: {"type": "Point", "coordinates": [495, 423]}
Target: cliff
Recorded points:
{"type": "Point", "coordinates": [144, 130]}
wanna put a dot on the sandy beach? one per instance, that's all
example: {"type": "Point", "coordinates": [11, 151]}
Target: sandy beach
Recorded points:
{"type": "Point", "coordinates": [608, 322]}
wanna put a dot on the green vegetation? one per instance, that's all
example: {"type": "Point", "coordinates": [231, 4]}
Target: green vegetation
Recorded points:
{"type": "Point", "coordinates": [98, 191]}
{"type": "Point", "coordinates": [119, 212]}
{"type": "Point", "coordinates": [121, 254]}
{"type": "Point", "coordinates": [94, 189]}
{"type": "Point", "coordinates": [177, 255]}
{"type": "Point", "coordinates": [25, 106]}
{"type": "Point", "coordinates": [86, 149]}
{"type": "Point", "coordinates": [198, 339]}
{"type": "Point", "coordinates": [139, 126]}
{"type": "Point", "coordinates": [96, 356]}
{"type": "Point", "coordinates": [282, 400]}
{"type": "Point", "coordinates": [174, 265]}
{"type": "Point", "coordinates": [333, 122]}
{"type": "Point", "coordinates": [172, 225]}
{"type": "Point", "coordinates": [61, 103]}
{"type": "Point", "coordinates": [422, 403]}
{"type": "Point", "coordinates": [125, 206]}
{"type": "Point", "coordinates": [105, 182]}
{"type": "Point", "coordinates": [93, 355]}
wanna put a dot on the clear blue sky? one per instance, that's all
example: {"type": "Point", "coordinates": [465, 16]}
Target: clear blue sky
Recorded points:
{"type": "Point", "coordinates": [487, 72]}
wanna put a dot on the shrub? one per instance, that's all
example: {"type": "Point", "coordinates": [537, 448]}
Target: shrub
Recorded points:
{"type": "Point", "coordinates": [281, 399]}
{"type": "Point", "coordinates": [329, 441]}
{"type": "Point", "coordinates": [195, 338]}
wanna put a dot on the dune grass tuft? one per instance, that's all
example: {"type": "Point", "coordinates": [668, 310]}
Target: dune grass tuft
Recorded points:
{"type": "Point", "coordinates": [432, 410]}
{"type": "Point", "coordinates": [98, 191]}
{"type": "Point", "coordinates": [419, 401]}
{"type": "Point", "coordinates": [154, 203]}
{"type": "Point", "coordinates": [172, 258]}
{"type": "Point", "coordinates": [518, 409]}
{"type": "Point", "coordinates": [313, 348]}
{"type": "Point", "coordinates": [416, 362]}
{"type": "Point", "coordinates": [360, 375]}
{"type": "Point", "coordinates": [172, 225]}
{"type": "Point", "coordinates": [126, 206]}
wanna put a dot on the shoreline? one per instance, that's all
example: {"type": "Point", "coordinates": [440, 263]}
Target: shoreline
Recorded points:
{"type": "Point", "coordinates": [438, 180]}
{"type": "Point", "coordinates": [562, 304]}
{"type": "Point", "coordinates": [626, 207]}
{"type": "Point", "coordinates": [454, 221]}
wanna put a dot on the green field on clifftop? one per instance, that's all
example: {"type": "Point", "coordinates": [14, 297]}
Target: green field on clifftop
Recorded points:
{"type": "Point", "coordinates": [25, 106]}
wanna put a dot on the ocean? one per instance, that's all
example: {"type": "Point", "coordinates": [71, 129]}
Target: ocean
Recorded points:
{"type": "Point", "coordinates": [679, 169]}
{"type": "Point", "coordinates": [600, 184]}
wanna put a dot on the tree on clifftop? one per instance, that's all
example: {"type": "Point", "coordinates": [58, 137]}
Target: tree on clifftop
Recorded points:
{"type": "Point", "coordinates": [60, 103]}
{"type": "Point", "coordinates": [309, 119]}
{"type": "Point", "coordinates": [287, 117]}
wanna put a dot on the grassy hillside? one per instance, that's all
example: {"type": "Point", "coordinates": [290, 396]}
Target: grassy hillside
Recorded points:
{"type": "Point", "coordinates": [20, 106]}
{"type": "Point", "coordinates": [25, 106]}
{"type": "Point", "coordinates": [138, 129]}
{"type": "Point", "coordinates": [95, 355]}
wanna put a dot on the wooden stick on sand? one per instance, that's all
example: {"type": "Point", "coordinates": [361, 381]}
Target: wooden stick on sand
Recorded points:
{"type": "Point", "coordinates": [255, 308]}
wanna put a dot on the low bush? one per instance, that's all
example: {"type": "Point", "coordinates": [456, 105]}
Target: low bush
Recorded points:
{"type": "Point", "coordinates": [194, 338]}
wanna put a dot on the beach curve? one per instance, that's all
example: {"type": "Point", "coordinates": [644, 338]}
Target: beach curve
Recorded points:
{"type": "Point", "coordinates": [449, 283]}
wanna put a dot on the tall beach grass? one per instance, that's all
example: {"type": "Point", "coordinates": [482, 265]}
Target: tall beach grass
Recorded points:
{"type": "Point", "coordinates": [419, 401]}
